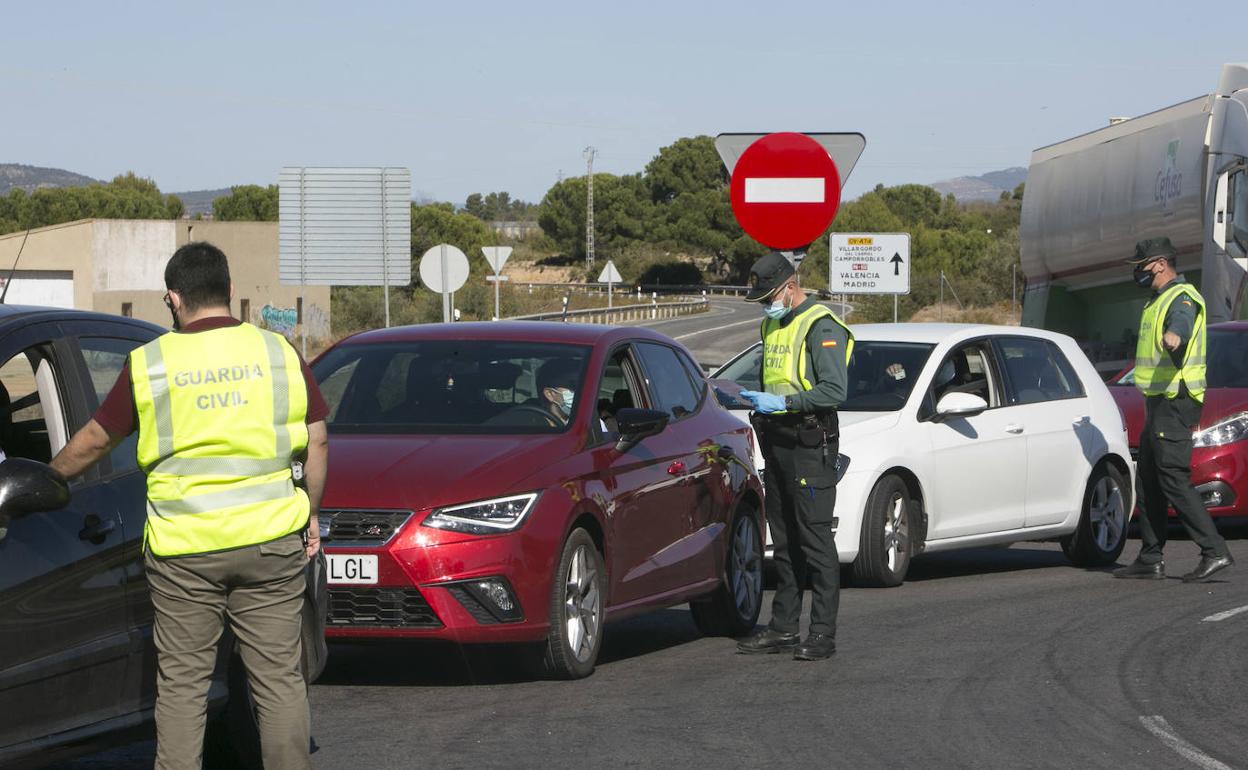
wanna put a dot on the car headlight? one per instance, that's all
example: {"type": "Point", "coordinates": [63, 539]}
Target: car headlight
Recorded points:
{"type": "Point", "coordinates": [1228, 431]}
{"type": "Point", "coordinates": [485, 517]}
{"type": "Point", "coordinates": [842, 465]}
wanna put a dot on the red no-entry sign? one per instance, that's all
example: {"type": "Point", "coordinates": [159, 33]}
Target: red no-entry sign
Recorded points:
{"type": "Point", "coordinates": [785, 190]}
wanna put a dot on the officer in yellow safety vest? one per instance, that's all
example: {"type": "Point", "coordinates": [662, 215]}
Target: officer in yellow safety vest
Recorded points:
{"type": "Point", "coordinates": [1170, 372]}
{"type": "Point", "coordinates": [222, 409]}
{"type": "Point", "coordinates": [806, 351]}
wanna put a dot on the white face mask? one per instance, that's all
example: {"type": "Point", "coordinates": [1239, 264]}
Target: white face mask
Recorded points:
{"type": "Point", "coordinates": [776, 310]}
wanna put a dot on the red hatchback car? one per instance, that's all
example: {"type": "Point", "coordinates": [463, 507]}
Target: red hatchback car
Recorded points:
{"type": "Point", "coordinates": [526, 482]}
{"type": "Point", "coordinates": [1220, 451]}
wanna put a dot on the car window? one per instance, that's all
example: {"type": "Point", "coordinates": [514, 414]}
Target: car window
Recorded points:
{"type": "Point", "coordinates": [105, 357]}
{"type": "Point", "coordinates": [1228, 356]}
{"type": "Point", "coordinates": [451, 386]}
{"type": "Point", "coordinates": [744, 369]}
{"type": "Point", "coordinates": [32, 421]}
{"type": "Point", "coordinates": [670, 387]}
{"type": "Point", "coordinates": [1037, 371]}
{"type": "Point", "coordinates": [967, 370]}
{"type": "Point", "coordinates": [615, 390]}
{"type": "Point", "coordinates": [881, 375]}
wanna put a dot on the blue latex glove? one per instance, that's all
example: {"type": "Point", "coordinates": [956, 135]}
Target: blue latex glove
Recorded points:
{"type": "Point", "coordinates": [764, 403]}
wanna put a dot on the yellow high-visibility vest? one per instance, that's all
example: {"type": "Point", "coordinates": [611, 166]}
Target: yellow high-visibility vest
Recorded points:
{"type": "Point", "coordinates": [221, 413]}
{"type": "Point", "coordinates": [784, 350]}
{"type": "Point", "coordinates": [1155, 371]}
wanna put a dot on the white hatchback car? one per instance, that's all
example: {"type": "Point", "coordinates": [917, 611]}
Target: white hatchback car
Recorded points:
{"type": "Point", "coordinates": [959, 435]}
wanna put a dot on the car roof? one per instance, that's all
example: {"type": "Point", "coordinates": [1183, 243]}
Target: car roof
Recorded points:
{"type": "Point", "coordinates": [935, 333]}
{"type": "Point", "coordinates": [508, 331]}
{"type": "Point", "coordinates": [1231, 326]}
{"type": "Point", "coordinates": [18, 315]}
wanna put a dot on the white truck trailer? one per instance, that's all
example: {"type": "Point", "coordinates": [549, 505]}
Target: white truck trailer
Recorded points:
{"type": "Point", "coordinates": [1181, 172]}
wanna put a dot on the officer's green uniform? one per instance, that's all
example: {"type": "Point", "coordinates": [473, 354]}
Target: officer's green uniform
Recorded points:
{"type": "Point", "coordinates": [805, 360]}
{"type": "Point", "coordinates": [1173, 384]}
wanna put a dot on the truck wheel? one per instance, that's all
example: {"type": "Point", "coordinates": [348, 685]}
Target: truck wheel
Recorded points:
{"type": "Point", "coordinates": [1102, 530]}
{"type": "Point", "coordinates": [732, 610]}
{"type": "Point", "coordinates": [577, 600]}
{"type": "Point", "coordinates": [885, 545]}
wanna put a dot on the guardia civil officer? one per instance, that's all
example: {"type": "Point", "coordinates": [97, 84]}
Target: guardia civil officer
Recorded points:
{"type": "Point", "coordinates": [1170, 372]}
{"type": "Point", "coordinates": [221, 408]}
{"type": "Point", "coordinates": [806, 351]}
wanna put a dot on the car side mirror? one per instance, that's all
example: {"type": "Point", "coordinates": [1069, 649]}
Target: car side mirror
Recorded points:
{"type": "Point", "coordinates": [636, 424]}
{"type": "Point", "coordinates": [959, 405]}
{"type": "Point", "coordinates": [29, 486]}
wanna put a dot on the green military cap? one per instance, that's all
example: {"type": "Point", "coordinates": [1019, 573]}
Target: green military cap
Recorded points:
{"type": "Point", "coordinates": [767, 274]}
{"type": "Point", "coordinates": [1152, 248]}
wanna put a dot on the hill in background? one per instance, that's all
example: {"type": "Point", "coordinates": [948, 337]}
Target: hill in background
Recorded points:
{"type": "Point", "coordinates": [986, 187]}
{"type": "Point", "coordinates": [200, 201]}
{"type": "Point", "coordinates": [31, 178]}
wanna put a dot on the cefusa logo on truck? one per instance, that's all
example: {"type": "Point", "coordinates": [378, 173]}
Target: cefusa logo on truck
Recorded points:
{"type": "Point", "coordinates": [1169, 184]}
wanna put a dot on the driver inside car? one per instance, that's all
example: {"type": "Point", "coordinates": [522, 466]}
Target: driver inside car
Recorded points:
{"type": "Point", "coordinates": [556, 382]}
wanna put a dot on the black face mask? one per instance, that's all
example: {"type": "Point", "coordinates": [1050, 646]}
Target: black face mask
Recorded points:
{"type": "Point", "coordinates": [1143, 277]}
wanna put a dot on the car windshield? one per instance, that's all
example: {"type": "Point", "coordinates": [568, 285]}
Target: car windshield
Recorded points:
{"type": "Point", "coordinates": [452, 386]}
{"type": "Point", "coordinates": [1227, 361]}
{"type": "Point", "coordinates": [881, 374]}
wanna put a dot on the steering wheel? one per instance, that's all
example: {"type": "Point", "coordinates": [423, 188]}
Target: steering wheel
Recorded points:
{"type": "Point", "coordinates": [551, 420]}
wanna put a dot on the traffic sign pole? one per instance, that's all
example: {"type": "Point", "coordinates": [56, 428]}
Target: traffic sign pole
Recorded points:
{"type": "Point", "coordinates": [446, 295]}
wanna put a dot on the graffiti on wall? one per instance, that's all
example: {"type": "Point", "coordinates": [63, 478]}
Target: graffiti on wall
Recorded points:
{"type": "Point", "coordinates": [279, 319]}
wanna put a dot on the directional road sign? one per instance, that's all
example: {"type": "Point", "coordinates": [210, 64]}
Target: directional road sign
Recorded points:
{"type": "Point", "coordinates": [785, 190]}
{"type": "Point", "coordinates": [869, 263]}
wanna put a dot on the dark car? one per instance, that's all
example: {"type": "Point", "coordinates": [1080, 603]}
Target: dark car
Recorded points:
{"type": "Point", "coordinates": [77, 664]}
{"type": "Point", "coordinates": [467, 501]}
{"type": "Point", "coordinates": [1220, 443]}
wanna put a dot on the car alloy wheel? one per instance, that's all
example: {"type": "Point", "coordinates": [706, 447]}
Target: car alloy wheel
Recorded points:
{"type": "Point", "coordinates": [896, 532]}
{"type": "Point", "coordinates": [582, 605]}
{"type": "Point", "coordinates": [747, 572]}
{"type": "Point", "coordinates": [1107, 513]}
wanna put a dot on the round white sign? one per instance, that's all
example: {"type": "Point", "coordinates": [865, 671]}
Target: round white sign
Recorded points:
{"type": "Point", "coordinates": [443, 268]}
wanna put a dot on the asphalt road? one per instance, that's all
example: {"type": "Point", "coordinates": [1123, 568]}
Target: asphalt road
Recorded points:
{"type": "Point", "coordinates": [987, 658]}
{"type": "Point", "coordinates": [727, 328]}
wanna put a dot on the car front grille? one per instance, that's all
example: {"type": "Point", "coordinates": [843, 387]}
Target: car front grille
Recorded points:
{"type": "Point", "coordinates": [363, 528]}
{"type": "Point", "coordinates": [380, 608]}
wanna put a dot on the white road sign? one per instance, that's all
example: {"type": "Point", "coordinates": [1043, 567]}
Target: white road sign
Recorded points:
{"type": "Point", "coordinates": [444, 268]}
{"type": "Point", "coordinates": [496, 256]}
{"type": "Point", "coordinates": [869, 263]}
{"type": "Point", "coordinates": [609, 274]}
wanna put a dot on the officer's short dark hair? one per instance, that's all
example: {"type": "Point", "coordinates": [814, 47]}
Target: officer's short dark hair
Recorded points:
{"type": "Point", "coordinates": [200, 274]}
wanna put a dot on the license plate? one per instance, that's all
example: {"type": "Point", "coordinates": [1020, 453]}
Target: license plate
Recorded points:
{"type": "Point", "coordinates": [351, 569]}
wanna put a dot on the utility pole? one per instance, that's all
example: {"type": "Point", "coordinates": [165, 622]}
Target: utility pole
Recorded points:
{"type": "Point", "coordinates": [590, 152]}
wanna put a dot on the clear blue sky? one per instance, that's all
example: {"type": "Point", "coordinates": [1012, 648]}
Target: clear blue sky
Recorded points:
{"type": "Point", "coordinates": [504, 96]}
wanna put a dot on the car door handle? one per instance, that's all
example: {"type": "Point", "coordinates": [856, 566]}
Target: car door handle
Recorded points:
{"type": "Point", "coordinates": [96, 529]}
{"type": "Point", "coordinates": [676, 468]}
{"type": "Point", "coordinates": [1014, 429]}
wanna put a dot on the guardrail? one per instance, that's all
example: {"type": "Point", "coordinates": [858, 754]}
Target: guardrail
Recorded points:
{"type": "Point", "coordinates": [647, 288]}
{"type": "Point", "coordinates": [621, 313]}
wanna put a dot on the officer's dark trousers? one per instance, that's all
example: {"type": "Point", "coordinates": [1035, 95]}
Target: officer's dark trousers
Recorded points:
{"type": "Point", "coordinates": [801, 493]}
{"type": "Point", "coordinates": [1165, 478]}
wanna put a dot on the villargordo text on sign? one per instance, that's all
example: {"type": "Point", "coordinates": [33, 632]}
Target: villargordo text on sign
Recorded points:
{"type": "Point", "coordinates": [223, 374]}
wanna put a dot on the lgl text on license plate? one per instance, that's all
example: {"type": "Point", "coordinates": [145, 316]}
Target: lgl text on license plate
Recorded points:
{"type": "Point", "coordinates": [354, 568]}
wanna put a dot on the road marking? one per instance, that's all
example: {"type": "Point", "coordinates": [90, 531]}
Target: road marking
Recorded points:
{"type": "Point", "coordinates": [755, 321]}
{"type": "Point", "coordinates": [1159, 727]}
{"type": "Point", "coordinates": [1224, 615]}
{"type": "Point", "coordinates": [798, 189]}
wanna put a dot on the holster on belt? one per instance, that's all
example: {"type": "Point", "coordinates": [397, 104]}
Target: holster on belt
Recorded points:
{"type": "Point", "coordinates": [806, 429]}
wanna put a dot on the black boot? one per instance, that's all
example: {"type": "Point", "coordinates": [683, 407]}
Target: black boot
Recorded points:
{"type": "Point", "coordinates": [766, 642]}
{"type": "Point", "coordinates": [1207, 567]}
{"type": "Point", "coordinates": [816, 647]}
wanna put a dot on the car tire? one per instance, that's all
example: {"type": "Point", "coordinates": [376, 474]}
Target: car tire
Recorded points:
{"type": "Point", "coordinates": [1102, 532]}
{"type": "Point", "coordinates": [885, 545]}
{"type": "Point", "coordinates": [732, 610]}
{"type": "Point", "coordinates": [577, 607]}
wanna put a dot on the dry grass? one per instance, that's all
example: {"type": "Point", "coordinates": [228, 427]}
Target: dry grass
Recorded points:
{"type": "Point", "coordinates": [1001, 314]}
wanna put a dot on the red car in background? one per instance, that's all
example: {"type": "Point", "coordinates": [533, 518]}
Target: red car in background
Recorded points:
{"type": "Point", "coordinates": [526, 482]}
{"type": "Point", "coordinates": [1220, 451]}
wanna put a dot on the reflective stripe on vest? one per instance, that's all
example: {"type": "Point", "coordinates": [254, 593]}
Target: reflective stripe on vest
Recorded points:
{"type": "Point", "coordinates": [784, 350]}
{"type": "Point", "coordinates": [1155, 372]}
{"type": "Point", "coordinates": [216, 441]}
